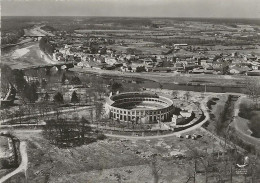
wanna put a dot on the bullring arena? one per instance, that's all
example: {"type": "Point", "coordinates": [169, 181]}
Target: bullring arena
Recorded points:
{"type": "Point", "coordinates": [144, 107]}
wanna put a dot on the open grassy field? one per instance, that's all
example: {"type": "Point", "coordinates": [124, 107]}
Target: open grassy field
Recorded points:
{"type": "Point", "coordinates": [210, 80]}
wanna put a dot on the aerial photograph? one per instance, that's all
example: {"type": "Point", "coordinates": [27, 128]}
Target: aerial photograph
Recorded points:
{"type": "Point", "coordinates": [130, 91]}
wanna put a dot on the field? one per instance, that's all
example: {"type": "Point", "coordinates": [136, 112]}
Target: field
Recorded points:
{"type": "Point", "coordinates": [144, 48]}
{"type": "Point", "coordinates": [112, 160]}
{"type": "Point", "coordinates": [174, 77]}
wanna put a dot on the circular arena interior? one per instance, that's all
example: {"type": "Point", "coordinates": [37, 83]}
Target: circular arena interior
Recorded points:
{"type": "Point", "coordinates": [144, 107]}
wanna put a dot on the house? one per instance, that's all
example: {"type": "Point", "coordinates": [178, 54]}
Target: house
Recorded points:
{"type": "Point", "coordinates": [198, 71]}
{"type": "Point", "coordinates": [179, 66]}
{"type": "Point", "coordinates": [179, 119]}
{"type": "Point", "coordinates": [234, 54]}
{"type": "Point", "coordinates": [134, 65]}
{"type": "Point", "coordinates": [57, 55]}
{"type": "Point", "coordinates": [148, 61]}
{"type": "Point", "coordinates": [94, 65]}
{"type": "Point", "coordinates": [255, 66]}
{"type": "Point", "coordinates": [209, 72]}
{"type": "Point", "coordinates": [110, 60]}
{"type": "Point", "coordinates": [253, 73]}
{"type": "Point", "coordinates": [250, 57]}
{"type": "Point", "coordinates": [239, 69]}
{"type": "Point", "coordinates": [30, 79]}
{"type": "Point", "coordinates": [70, 58]}
{"type": "Point", "coordinates": [185, 114]}
{"type": "Point", "coordinates": [163, 69]}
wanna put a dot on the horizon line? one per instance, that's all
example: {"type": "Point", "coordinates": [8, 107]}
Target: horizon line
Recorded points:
{"type": "Point", "coordinates": [127, 16]}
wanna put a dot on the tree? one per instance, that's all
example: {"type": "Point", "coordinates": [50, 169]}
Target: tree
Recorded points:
{"type": "Point", "coordinates": [85, 127]}
{"type": "Point", "coordinates": [91, 115]}
{"type": "Point", "coordinates": [174, 94]}
{"type": "Point", "coordinates": [63, 78]}
{"type": "Point", "coordinates": [46, 96]}
{"type": "Point", "coordinates": [253, 90]}
{"type": "Point", "coordinates": [7, 77]}
{"type": "Point", "coordinates": [187, 95]}
{"type": "Point", "coordinates": [34, 94]}
{"type": "Point", "coordinates": [225, 67]}
{"type": "Point", "coordinates": [74, 97]}
{"type": "Point", "coordinates": [100, 88]}
{"type": "Point", "coordinates": [255, 123]}
{"type": "Point", "coordinates": [98, 109]}
{"type": "Point", "coordinates": [30, 92]}
{"type": "Point", "coordinates": [160, 86]}
{"type": "Point", "coordinates": [58, 98]}
{"type": "Point", "coordinates": [116, 87]}
{"type": "Point", "coordinates": [140, 69]}
{"type": "Point", "coordinates": [43, 83]}
{"type": "Point", "coordinates": [75, 80]}
{"type": "Point", "coordinates": [156, 169]}
{"type": "Point", "coordinates": [195, 154]}
{"type": "Point", "coordinates": [45, 46]}
{"type": "Point", "coordinates": [245, 109]}
{"type": "Point", "coordinates": [19, 80]}
{"type": "Point", "coordinates": [20, 113]}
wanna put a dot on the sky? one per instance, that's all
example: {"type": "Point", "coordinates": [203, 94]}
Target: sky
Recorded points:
{"type": "Point", "coordinates": [133, 8]}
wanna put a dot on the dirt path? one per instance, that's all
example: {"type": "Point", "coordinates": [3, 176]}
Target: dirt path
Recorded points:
{"type": "Point", "coordinates": [22, 167]}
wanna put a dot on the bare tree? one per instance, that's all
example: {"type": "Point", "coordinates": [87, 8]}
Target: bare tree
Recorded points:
{"type": "Point", "coordinates": [253, 89]}
{"type": "Point", "coordinates": [156, 168]}
{"type": "Point", "coordinates": [199, 158]}
{"type": "Point", "coordinates": [174, 94]}
{"type": "Point", "coordinates": [187, 95]}
{"type": "Point", "coordinates": [20, 113]}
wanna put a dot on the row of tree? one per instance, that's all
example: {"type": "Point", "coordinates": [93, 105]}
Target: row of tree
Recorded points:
{"type": "Point", "coordinates": [66, 133]}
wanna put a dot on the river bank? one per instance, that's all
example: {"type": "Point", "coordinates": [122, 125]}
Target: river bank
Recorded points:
{"type": "Point", "coordinates": [22, 42]}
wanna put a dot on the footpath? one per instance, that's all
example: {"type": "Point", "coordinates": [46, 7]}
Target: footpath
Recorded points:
{"type": "Point", "coordinates": [22, 167]}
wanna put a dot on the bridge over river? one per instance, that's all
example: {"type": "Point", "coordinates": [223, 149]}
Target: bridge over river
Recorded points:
{"type": "Point", "coordinates": [36, 32]}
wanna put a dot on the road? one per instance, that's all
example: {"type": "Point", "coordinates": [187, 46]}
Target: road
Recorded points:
{"type": "Point", "coordinates": [23, 165]}
{"type": "Point", "coordinates": [38, 114]}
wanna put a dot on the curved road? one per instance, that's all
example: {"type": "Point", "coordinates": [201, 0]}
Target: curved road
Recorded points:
{"type": "Point", "coordinates": [245, 137]}
{"type": "Point", "coordinates": [23, 165]}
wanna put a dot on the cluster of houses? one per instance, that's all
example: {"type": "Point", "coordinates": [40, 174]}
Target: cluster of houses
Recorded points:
{"type": "Point", "coordinates": [96, 55]}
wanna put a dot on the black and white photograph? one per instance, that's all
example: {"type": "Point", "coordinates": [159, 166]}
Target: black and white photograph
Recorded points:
{"type": "Point", "coordinates": [130, 91]}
